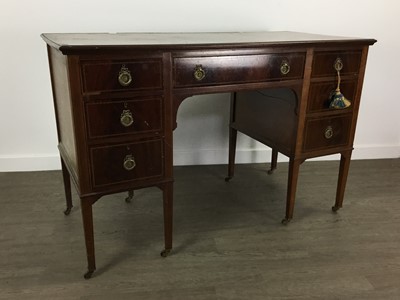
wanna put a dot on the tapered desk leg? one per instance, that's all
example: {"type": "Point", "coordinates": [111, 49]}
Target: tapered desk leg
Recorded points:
{"type": "Point", "coordinates": [87, 218]}
{"type": "Point", "coordinates": [232, 153]}
{"type": "Point", "coordinates": [274, 161]}
{"type": "Point", "coordinates": [168, 216]}
{"type": "Point", "coordinates": [67, 187]}
{"type": "Point", "coordinates": [343, 172]}
{"type": "Point", "coordinates": [294, 167]}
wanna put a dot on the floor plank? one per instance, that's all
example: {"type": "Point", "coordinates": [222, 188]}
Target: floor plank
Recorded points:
{"type": "Point", "coordinates": [228, 240]}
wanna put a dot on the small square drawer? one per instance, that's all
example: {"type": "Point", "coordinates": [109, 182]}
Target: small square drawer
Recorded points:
{"type": "Point", "coordinates": [111, 118]}
{"type": "Point", "coordinates": [200, 71]}
{"type": "Point", "coordinates": [126, 163]}
{"type": "Point", "coordinates": [109, 76]}
{"type": "Point", "coordinates": [324, 63]}
{"type": "Point", "coordinates": [322, 133]}
{"type": "Point", "coordinates": [320, 92]}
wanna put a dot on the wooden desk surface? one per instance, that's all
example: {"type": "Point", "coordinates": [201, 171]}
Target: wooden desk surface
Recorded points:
{"type": "Point", "coordinates": [75, 41]}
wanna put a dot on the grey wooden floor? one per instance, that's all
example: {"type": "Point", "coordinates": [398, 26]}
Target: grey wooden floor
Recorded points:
{"type": "Point", "coordinates": [228, 244]}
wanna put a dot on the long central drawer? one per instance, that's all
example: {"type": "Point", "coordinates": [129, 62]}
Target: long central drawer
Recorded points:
{"type": "Point", "coordinates": [216, 70]}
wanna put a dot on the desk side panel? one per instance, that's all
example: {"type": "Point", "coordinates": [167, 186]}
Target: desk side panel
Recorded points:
{"type": "Point", "coordinates": [357, 98]}
{"type": "Point", "coordinates": [63, 109]}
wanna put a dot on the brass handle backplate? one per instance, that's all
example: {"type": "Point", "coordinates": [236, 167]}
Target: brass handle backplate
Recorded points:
{"type": "Point", "coordinates": [199, 73]}
{"type": "Point", "coordinates": [126, 118]}
{"type": "Point", "coordinates": [285, 67]}
{"type": "Point", "coordinates": [328, 132]}
{"type": "Point", "coordinates": [124, 76]}
{"type": "Point", "coordinates": [129, 162]}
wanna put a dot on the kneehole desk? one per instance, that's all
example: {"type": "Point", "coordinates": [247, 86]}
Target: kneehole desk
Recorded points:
{"type": "Point", "coordinates": [116, 98]}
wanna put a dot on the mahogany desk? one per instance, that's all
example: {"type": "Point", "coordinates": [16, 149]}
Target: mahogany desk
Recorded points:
{"type": "Point", "coordinates": [116, 98]}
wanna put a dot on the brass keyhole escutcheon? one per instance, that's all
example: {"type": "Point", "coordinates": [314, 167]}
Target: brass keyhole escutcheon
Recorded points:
{"type": "Point", "coordinates": [129, 162]}
{"type": "Point", "coordinates": [199, 73]}
{"type": "Point", "coordinates": [285, 67]}
{"type": "Point", "coordinates": [124, 76]}
{"type": "Point", "coordinates": [328, 132]}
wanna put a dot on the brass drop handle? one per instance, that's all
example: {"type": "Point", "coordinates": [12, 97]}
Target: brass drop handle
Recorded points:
{"type": "Point", "coordinates": [328, 132]}
{"type": "Point", "coordinates": [126, 118]}
{"type": "Point", "coordinates": [199, 73]}
{"type": "Point", "coordinates": [338, 65]}
{"type": "Point", "coordinates": [285, 67]}
{"type": "Point", "coordinates": [337, 99]}
{"type": "Point", "coordinates": [129, 162]}
{"type": "Point", "coordinates": [124, 76]}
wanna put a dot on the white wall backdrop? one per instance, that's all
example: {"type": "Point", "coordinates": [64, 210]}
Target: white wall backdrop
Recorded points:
{"type": "Point", "coordinates": [27, 124]}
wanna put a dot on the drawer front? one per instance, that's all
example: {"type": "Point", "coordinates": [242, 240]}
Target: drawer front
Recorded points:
{"type": "Point", "coordinates": [320, 92]}
{"type": "Point", "coordinates": [108, 76]}
{"type": "Point", "coordinates": [126, 163]}
{"type": "Point", "coordinates": [327, 132]}
{"type": "Point", "coordinates": [200, 71]}
{"type": "Point", "coordinates": [124, 117]}
{"type": "Point", "coordinates": [323, 63]}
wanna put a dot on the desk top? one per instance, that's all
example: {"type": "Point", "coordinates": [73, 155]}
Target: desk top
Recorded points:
{"type": "Point", "coordinates": [67, 42]}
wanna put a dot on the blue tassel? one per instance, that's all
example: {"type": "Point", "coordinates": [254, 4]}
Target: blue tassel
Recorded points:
{"type": "Point", "coordinates": [339, 101]}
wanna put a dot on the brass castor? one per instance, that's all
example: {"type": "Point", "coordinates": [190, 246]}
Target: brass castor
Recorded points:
{"type": "Point", "coordinates": [88, 274]}
{"type": "Point", "coordinates": [130, 197]}
{"type": "Point", "coordinates": [228, 178]}
{"type": "Point", "coordinates": [285, 221]}
{"type": "Point", "coordinates": [165, 252]}
{"type": "Point", "coordinates": [335, 208]}
{"type": "Point", "coordinates": [67, 211]}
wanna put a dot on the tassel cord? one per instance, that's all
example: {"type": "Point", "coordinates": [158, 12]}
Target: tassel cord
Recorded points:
{"type": "Point", "coordinates": [338, 83]}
